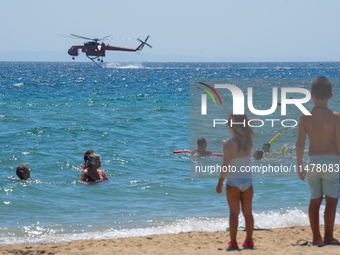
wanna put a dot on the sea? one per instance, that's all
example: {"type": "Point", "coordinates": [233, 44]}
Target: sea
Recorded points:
{"type": "Point", "coordinates": [135, 115]}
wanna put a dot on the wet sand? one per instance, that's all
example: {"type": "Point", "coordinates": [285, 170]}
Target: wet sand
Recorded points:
{"type": "Point", "coordinates": [273, 241]}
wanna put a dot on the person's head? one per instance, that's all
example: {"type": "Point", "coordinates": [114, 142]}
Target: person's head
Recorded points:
{"type": "Point", "coordinates": [201, 142]}
{"type": "Point", "coordinates": [86, 155]}
{"type": "Point", "coordinates": [266, 147]}
{"type": "Point", "coordinates": [321, 88]}
{"type": "Point", "coordinates": [243, 133]}
{"type": "Point", "coordinates": [258, 154]}
{"type": "Point", "coordinates": [94, 160]}
{"type": "Point", "coordinates": [23, 172]}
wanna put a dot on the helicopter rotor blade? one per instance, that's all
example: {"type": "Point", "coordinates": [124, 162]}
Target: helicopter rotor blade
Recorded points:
{"type": "Point", "coordinates": [96, 39]}
{"type": "Point", "coordinates": [103, 38]}
{"type": "Point", "coordinates": [119, 38]}
{"type": "Point", "coordinates": [82, 37]}
{"type": "Point", "coordinates": [148, 45]}
{"type": "Point", "coordinates": [67, 36]}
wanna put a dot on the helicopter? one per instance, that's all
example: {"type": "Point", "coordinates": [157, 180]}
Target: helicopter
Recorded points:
{"type": "Point", "coordinates": [95, 50]}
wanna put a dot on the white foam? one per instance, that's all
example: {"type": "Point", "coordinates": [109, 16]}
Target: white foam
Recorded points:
{"type": "Point", "coordinates": [263, 220]}
{"type": "Point", "coordinates": [123, 65]}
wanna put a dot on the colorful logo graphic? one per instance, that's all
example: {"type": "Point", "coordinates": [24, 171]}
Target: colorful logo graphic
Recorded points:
{"type": "Point", "coordinates": [208, 92]}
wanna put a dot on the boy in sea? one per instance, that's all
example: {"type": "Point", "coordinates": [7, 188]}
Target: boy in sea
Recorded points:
{"type": "Point", "coordinates": [266, 147]}
{"type": "Point", "coordinates": [23, 172]}
{"type": "Point", "coordinates": [201, 150]}
{"type": "Point", "coordinates": [323, 130]}
{"type": "Point", "coordinates": [258, 154]}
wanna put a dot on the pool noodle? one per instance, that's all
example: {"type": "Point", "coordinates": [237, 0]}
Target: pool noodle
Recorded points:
{"type": "Point", "coordinates": [182, 151]}
{"type": "Point", "coordinates": [274, 139]}
{"type": "Point", "coordinates": [218, 154]}
{"type": "Point", "coordinates": [283, 149]}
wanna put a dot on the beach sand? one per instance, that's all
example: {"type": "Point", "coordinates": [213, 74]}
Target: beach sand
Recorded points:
{"type": "Point", "coordinates": [274, 241]}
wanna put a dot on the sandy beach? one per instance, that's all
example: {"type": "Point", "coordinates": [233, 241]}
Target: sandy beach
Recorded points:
{"type": "Point", "coordinates": [274, 241]}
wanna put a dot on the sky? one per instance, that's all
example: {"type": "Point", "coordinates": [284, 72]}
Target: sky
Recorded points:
{"type": "Point", "coordinates": [180, 30]}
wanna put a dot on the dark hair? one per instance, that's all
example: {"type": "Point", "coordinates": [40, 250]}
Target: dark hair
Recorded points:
{"type": "Point", "coordinates": [259, 152]}
{"type": "Point", "coordinates": [21, 169]}
{"type": "Point", "coordinates": [92, 159]}
{"type": "Point", "coordinates": [87, 154]}
{"type": "Point", "coordinates": [201, 141]}
{"type": "Point", "coordinates": [321, 88]}
{"type": "Point", "coordinates": [267, 144]}
{"type": "Point", "coordinates": [244, 133]}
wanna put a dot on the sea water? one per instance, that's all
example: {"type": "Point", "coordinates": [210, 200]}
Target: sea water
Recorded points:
{"type": "Point", "coordinates": [134, 115]}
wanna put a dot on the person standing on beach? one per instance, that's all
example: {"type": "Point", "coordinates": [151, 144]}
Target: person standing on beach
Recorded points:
{"type": "Point", "coordinates": [323, 130]}
{"type": "Point", "coordinates": [237, 153]}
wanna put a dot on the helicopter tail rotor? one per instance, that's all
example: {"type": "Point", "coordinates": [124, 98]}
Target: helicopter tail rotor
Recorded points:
{"type": "Point", "coordinates": [143, 43]}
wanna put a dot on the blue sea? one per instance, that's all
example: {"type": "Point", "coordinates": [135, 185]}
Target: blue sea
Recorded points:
{"type": "Point", "coordinates": [134, 115]}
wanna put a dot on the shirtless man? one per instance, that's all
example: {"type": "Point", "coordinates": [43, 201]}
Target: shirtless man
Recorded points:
{"type": "Point", "coordinates": [201, 151]}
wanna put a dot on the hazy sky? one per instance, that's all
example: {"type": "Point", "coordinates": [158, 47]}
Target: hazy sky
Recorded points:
{"type": "Point", "coordinates": [289, 29]}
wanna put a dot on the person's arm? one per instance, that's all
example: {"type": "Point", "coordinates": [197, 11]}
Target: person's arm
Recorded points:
{"type": "Point", "coordinates": [226, 163]}
{"type": "Point", "coordinates": [83, 177]}
{"type": "Point", "coordinates": [300, 146]}
{"type": "Point", "coordinates": [104, 174]}
{"type": "Point", "coordinates": [193, 151]}
{"type": "Point", "coordinates": [337, 132]}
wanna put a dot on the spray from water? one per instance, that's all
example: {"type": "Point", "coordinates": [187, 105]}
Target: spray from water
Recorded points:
{"type": "Point", "coordinates": [123, 65]}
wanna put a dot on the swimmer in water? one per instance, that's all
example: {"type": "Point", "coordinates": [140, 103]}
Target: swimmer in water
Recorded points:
{"type": "Point", "coordinates": [258, 154]}
{"type": "Point", "coordinates": [92, 173]}
{"type": "Point", "coordinates": [23, 172]}
{"type": "Point", "coordinates": [266, 147]}
{"type": "Point", "coordinates": [201, 151]}
{"type": "Point", "coordinates": [86, 157]}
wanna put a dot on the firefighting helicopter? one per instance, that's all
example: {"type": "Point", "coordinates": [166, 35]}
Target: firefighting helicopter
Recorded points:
{"type": "Point", "coordinates": [95, 50]}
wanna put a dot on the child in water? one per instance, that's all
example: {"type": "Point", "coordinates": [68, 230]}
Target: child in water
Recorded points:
{"type": "Point", "coordinates": [201, 150]}
{"type": "Point", "coordinates": [258, 154]}
{"type": "Point", "coordinates": [23, 172]}
{"type": "Point", "coordinates": [237, 153]}
{"type": "Point", "coordinates": [266, 147]}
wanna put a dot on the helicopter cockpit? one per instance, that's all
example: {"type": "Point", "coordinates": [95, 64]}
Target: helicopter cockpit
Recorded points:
{"type": "Point", "coordinates": [90, 43]}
